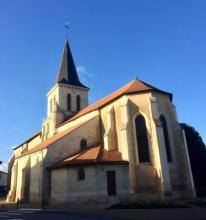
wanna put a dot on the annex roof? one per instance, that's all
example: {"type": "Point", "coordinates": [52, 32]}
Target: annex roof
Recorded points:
{"type": "Point", "coordinates": [53, 139]}
{"type": "Point", "coordinates": [92, 155]}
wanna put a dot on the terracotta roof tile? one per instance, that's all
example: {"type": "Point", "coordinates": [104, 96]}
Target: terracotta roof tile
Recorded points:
{"type": "Point", "coordinates": [135, 86]}
{"type": "Point", "coordinates": [53, 139]}
{"type": "Point", "coordinates": [92, 155]}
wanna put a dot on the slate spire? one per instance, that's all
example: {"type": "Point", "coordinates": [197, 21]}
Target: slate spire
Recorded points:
{"type": "Point", "coordinates": [67, 72]}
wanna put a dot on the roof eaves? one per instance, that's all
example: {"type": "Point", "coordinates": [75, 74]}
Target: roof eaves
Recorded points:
{"type": "Point", "coordinates": [101, 106]}
{"type": "Point", "coordinates": [75, 155]}
{"type": "Point", "coordinates": [27, 140]}
{"type": "Point", "coordinates": [47, 145]}
{"type": "Point", "coordinates": [86, 163]}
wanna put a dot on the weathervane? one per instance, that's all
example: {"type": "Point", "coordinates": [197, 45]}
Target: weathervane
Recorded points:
{"type": "Point", "coordinates": [66, 25]}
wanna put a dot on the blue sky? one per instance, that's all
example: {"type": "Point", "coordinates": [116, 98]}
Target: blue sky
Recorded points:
{"type": "Point", "coordinates": [163, 42]}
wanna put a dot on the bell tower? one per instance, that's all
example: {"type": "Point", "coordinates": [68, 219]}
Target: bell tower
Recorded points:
{"type": "Point", "coordinates": [67, 97]}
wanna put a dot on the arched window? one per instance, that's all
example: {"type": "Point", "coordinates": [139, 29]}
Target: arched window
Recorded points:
{"type": "Point", "coordinates": [69, 102]}
{"type": "Point", "coordinates": [142, 141]}
{"type": "Point", "coordinates": [83, 144]}
{"type": "Point", "coordinates": [81, 174]}
{"type": "Point", "coordinates": [166, 137]}
{"type": "Point", "coordinates": [78, 103]}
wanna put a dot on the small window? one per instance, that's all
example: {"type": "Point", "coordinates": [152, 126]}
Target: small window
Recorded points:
{"type": "Point", "coordinates": [69, 102]}
{"type": "Point", "coordinates": [83, 144]}
{"type": "Point", "coordinates": [81, 174]}
{"type": "Point", "coordinates": [78, 103]}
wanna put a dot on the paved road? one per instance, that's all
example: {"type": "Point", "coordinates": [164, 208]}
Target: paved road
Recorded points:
{"type": "Point", "coordinates": [40, 215]}
{"type": "Point", "coordinates": [138, 214]}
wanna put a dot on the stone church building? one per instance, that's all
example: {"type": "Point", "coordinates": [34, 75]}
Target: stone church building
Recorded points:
{"type": "Point", "coordinates": [128, 146]}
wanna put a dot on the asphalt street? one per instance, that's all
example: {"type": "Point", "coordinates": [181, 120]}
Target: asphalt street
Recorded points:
{"type": "Point", "coordinates": [137, 214]}
{"type": "Point", "coordinates": [39, 215]}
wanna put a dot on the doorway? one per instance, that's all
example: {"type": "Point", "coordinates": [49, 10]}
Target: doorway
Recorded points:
{"type": "Point", "coordinates": [111, 183]}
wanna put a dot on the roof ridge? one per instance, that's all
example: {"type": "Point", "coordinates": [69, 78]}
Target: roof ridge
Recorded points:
{"type": "Point", "coordinates": [28, 139]}
{"type": "Point", "coordinates": [135, 86]}
{"type": "Point", "coordinates": [99, 155]}
{"type": "Point", "coordinates": [74, 155]}
{"type": "Point", "coordinates": [81, 152]}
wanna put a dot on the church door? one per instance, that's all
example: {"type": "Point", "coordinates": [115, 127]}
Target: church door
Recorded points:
{"type": "Point", "coordinates": [111, 183]}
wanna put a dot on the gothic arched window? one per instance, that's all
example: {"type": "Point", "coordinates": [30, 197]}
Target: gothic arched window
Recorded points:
{"type": "Point", "coordinates": [78, 103]}
{"type": "Point", "coordinates": [81, 174]}
{"type": "Point", "coordinates": [83, 144]}
{"type": "Point", "coordinates": [69, 102]}
{"type": "Point", "coordinates": [166, 137]}
{"type": "Point", "coordinates": [142, 141]}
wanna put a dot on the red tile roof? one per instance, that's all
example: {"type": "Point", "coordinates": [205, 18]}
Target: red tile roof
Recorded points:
{"type": "Point", "coordinates": [52, 139]}
{"type": "Point", "coordinates": [92, 155]}
{"type": "Point", "coordinates": [135, 86]}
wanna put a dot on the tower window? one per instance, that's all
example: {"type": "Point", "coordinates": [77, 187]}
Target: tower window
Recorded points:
{"type": "Point", "coordinates": [78, 103]}
{"type": "Point", "coordinates": [69, 102]}
{"type": "Point", "coordinates": [142, 141]}
{"type": "Point", "coordinates": [166, 137]}
{"type": "Point", "coordinates": [81, 174]}
{"type": "Point", "coordinates": [83, 144]}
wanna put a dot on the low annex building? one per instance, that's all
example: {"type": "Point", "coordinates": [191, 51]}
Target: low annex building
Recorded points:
{"type": "Point", "coordinates": [127, 146]}
{"type": "Point", "coordinates": [3, 182]}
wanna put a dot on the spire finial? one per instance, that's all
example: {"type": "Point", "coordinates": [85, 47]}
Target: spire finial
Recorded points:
{"type": "Point", "coordinates": [66, 25]}
{"type": "Point", "coordinates": [136, 77]}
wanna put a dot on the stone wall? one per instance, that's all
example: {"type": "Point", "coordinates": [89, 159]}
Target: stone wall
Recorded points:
{"type": "Point", "coordinates": [113, 125]}
{"type": "Point", "coordinates": [57, 107]}
{"type": "Point", "coordinates": [27, 146]}
{"type": "Point", "coordinates": [179, 169]}
{"type": "Point", "coordinates": [66, 188]}
{"type": "Point", "coordinates": [70, 143]}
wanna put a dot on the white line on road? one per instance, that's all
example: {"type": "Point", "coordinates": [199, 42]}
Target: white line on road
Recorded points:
{"type": "Point", "coordinates": [30, 209]}
{"type": "Point", "coordinates": [10, 213]}
{"type": "Point", "coordinates": [16, 219]}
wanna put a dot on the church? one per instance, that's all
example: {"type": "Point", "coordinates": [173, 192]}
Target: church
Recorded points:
{"type": "Point", "coordinates": [126, 147]}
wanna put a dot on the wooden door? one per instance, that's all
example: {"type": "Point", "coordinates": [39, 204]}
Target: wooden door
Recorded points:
{"type": "Point", "coordinates": [111, 183]}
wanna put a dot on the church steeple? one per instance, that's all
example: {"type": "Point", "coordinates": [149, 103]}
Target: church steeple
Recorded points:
{"type": "Point", "coordinates": [67, 72]}
{"type": "Point", "coordinates": [67, 97]}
